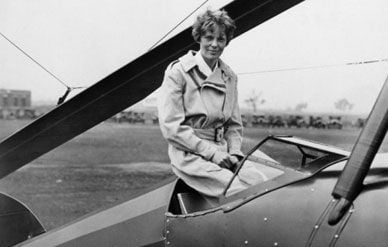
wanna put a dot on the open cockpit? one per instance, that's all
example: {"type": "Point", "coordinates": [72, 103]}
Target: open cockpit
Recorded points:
{"type": "Point", "coordinates": [282, 160]}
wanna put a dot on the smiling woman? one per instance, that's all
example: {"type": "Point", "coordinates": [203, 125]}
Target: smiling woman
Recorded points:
{"type": "Point", "coordinates": [199, 114]}
{"type": "Point", "coordinates": [142, 221]}
{"type": "Point", "coordinates": [213, 32]}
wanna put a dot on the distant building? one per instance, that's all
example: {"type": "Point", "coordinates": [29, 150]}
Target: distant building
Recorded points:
{"type": "Point", "coordinates": [15, 103]}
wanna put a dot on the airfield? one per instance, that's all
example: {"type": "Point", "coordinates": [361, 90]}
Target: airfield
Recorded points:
{"type": "Point", "coordinates": [112, 162]}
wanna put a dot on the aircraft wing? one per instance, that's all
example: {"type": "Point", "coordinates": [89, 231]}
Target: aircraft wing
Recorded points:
{"type": "Point", "coordinates": [119, 90]}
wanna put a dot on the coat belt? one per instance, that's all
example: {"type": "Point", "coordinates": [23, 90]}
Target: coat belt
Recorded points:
{"type": "Point", "coordinates": [213, 134]}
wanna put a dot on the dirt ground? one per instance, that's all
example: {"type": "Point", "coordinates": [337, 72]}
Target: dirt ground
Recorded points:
{"type": "Point", "coordinates": [111, 162]}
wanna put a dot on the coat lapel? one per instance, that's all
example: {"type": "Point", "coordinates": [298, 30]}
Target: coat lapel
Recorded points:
{"type": "Point", "coordinates": [221, 80]}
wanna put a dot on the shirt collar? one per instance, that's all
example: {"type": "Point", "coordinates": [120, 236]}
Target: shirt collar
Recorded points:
{"type": "Point", "coordinates": [203, 66]}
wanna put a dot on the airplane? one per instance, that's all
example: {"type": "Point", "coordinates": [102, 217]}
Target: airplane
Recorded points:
{"type": "Point", "coordinates": [296, 204]}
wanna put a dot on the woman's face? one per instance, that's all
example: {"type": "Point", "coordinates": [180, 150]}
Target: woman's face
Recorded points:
{"type": "Point", "coordinates": [212, 44]}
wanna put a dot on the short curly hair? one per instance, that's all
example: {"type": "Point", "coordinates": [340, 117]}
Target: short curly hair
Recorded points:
{"type": "Point", "coordinates": [207, 20]}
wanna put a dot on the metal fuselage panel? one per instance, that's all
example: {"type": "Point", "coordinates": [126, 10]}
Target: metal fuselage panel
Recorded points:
{"type": "Point", "coordinates": [138, 222]}
{"type": "Point", "coordinates": [291, 216]}
{"type": "Point", "coordinates": [17, 222]}
{"type": "Point", "coordinates": [284, 217]}
{"type": "Point", "coordinates": [368, 226]}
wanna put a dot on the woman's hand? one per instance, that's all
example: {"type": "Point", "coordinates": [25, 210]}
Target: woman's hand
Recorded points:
{"type": "Point", "coordinates": [224, 160]}
{"type": "Point", "coordinates": [234, 159]}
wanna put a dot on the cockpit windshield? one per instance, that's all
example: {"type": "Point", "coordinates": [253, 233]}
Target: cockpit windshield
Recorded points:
{"type": "Point", "coordinates": [283, 160]}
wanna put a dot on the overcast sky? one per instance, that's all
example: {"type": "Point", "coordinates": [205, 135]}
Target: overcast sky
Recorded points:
{"type": "Point", "coordinates": [81, 42]}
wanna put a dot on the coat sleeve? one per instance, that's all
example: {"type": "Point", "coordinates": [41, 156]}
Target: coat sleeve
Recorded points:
{"type": "Point", "coordinates": [233, 134]}
{"type": "Point", "coordinates": [172, 115]}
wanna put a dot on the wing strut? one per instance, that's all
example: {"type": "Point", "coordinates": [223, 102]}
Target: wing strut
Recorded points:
{"type": "Point", "coordinates": [350, 183]}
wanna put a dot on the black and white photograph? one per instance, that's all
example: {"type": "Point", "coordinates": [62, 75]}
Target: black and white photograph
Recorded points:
{"type": "Point", "coordinates": [218, 123]}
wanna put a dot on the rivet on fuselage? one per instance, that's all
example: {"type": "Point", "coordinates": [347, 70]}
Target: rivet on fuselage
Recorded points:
{"type": "Point", "coordinates": [246, 242]}
{"type": "Point", "coordinates": [167, 232]}
{"type": "Point", "coordinates": [312, 189]}
{"type": "Point", "coordinates": [266, 190]}
{"type": "Point", "coordinates": [316, 226]}
{"type": "Point", "coordinates": [336, 236]}
{"type": "Point", "coordinates": [275, 244]}
{"type": "Point", "coordinates": [265, 219]}
{"type": "Point", "coordinates": [168, 243]}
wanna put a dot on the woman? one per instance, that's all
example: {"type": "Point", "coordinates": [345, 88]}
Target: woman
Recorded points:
{"type": "Point", "coordinates": [199, 114]}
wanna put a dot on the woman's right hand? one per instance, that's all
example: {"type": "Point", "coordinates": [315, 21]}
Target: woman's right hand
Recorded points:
{"type": "Point", "coordinates": [223, 159]}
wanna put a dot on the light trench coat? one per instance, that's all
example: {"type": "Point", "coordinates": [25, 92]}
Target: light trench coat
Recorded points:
{"type": "Point", "coordinates": [189, 103]}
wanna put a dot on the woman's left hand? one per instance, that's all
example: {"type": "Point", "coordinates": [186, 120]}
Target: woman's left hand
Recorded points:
{"type": "Point", "coordinates": [233, 159]}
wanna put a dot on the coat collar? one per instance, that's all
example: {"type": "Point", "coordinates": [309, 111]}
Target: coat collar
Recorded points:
{"type": "Point", "coordinates": [189, 61]}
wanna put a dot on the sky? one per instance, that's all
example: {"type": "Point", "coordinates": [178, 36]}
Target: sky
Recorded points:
{"type": "Point", "coordinates": [81, 42]}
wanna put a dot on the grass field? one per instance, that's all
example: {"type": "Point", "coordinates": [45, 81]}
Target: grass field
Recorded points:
{"type": "Point", "coordinates": [111, 162]}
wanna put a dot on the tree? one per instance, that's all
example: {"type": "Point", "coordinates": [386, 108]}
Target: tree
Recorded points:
{"type": "Point", "coordinates": [254, 100]}
{"type": "Point", "coordinates": [343, 105]}
{"type": "Point", "coordinates": [301, 106]}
